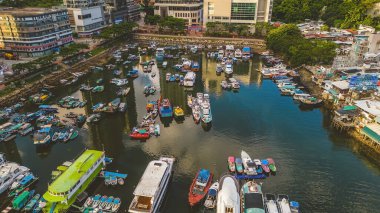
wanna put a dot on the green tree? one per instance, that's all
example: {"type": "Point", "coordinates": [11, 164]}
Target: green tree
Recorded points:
{"type": "Point", "coordinates": [171, 24]}
{"type": "Point", "coordinates": [152, 20]}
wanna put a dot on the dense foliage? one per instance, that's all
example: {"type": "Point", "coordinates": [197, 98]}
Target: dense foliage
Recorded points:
{"type": "Point", "coordinates": [288, 41]}
{"type": "Point", "coordinates": [72, 49]}
{"type": "Point", "coordinates": [337, 13]}
{"type": "Point", "coordinates": [219, 29]}
{"type": "Point", "coordinates": [172, 25]}
{"type": "Point", "coordinates": [117, 30]}
{"type": "Point", "coordinates": [31, 3]}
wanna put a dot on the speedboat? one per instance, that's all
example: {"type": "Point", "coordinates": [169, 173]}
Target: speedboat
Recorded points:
{"type": "Point", "coordinates": [249, 165]}
{"type": "Point", "coordinates": [272, 165]}
{"type": "Point", "coordinates": [283, 203]}
{"type": "Point", "coordinates": [229, 69]}
{"type": "Point", "coordinates": [265, 165]}
{"type": "Point", "coordinates": [200, 186]}
{"type": "Point", "coordinates": [252, 198]}
{"type": "Point", "coordinates": [196, 110]}
{"type": "Point", "coordinates": [231, 164]}
{"type": "Point", "coordinates": [178, 112]}
{"type": "Point", "coordinates": [239, 165]}
{"type": "Point", "coordinates": [259, 168]}
{"type": "Point", "coordinates": [228, 195]}
{"type": "Point", "coordinates": [212, 194]}
{"type": "Point", "coordinates": [139, 134]}
{"type": "Point", "coordinates": [271, 203]}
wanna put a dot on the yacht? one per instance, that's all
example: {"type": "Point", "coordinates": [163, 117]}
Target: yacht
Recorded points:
{"type": "Point", "coordinates": [229, 70]}
{"type": "Point", "coordinates": [228, 195]}
{"type": "Point", "coordinates": [152, 186]}
{"type": "Point", "coordinates": [249, 165]}
{"type": "Point", "coordinates": [271, 203]}
{"type": "Point", "coordinates": [238, 53]}
{"type": "Point", "coordinates": [9, 172]}
{"type": "Point", "coordinates": [283, 204]}
{"type": "Point", "coordinates": [189, 79]}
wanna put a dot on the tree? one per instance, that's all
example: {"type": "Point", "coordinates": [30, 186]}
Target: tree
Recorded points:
{"type": "Point", "coordinates": [152, 20]}
{"type": "Point", "coordinates": [117, 30]}
{"type": "Point", "coordinates": [280, 39]}
{"type": "Point", "coordinates": [172, 24]}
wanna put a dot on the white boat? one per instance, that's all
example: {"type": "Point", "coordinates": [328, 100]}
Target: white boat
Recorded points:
{"type": "Point", "coordinates": [212, 194]}
{"type": "Point", "coordinates": [189, 79]}
{"type": "Point", "coordinates": [220, 54]}
{"type": "Point", "coordinates": [206, 115]}
{"type": "Point", "coordinates": [225, 85]}
{"type": "Point", "coordinates": [283, 204]}
{"type": "Point", "coordinates": [219, 69]}
{"type": "Point", "coordinates": [234, 83]}
{"type": "Point", "coordinates": [196, 110]}
{"type": "Point", "coordinates": [229, 70]}
{"type": "Point", "coordinates": [249, 165]}
{"type": "Point", "coordinates": [228, 195]}
{"type": "Point", "coordinates": [150, 191]}
{"type": "Point", "coordinates": [9, 172]}
{"type": "Point", "coordinates": [271, 203]}
{"type": "Point", "coordinates": [164, 64]}
{"type": "Point", "coordinates": [238, 53]}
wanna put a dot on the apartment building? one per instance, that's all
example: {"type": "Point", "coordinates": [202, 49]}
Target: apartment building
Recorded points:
{"type": "Point", "coordinates": [117, 11]}
{"type": "Point", "coordinates": [237, 11]}
{"type": "Point", "coordinates": [191, 10]}
{"type": "Point", "coordinates": [86, 16]}
{"type": "Point", "coordinates": [34, 32]}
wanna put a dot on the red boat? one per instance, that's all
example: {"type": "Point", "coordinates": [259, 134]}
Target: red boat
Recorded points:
{"type": "Point", "coordinates": [139, 134]}
{"type": "Point", "coordinates": [200, 186]}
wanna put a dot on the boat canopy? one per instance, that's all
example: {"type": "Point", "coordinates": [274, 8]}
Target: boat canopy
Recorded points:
{"type": "Point", "coordinates": [253, 201]}
{"type": "Point", "coordinates": [114, 174]}
{"type": "Point", "coordinates": [19, 200]}
{"type": "Point", "coordinates": [203, 176]}
{"type": "Point", "coordinates": [347, 108]}
{"type": "Point", "coordinates": [264, 162]}
{"type": "Point", "coordinates": [212, 192]}
{"type": "Point", "coordinates": [246, 49]}
{"type": "Point", "coordinates": [26, 179]}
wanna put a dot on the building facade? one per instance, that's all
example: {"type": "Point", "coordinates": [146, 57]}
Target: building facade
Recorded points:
{"type": "Point", "coordinates": [191, 10]}
{"type": "Point", "coordinates": [117, 11]}
{"type": "Point", "coordinates": [237, 11]}
{"type": "Point", "coordinates": [34, 32]}
{"type": "Point", "coordinates": [86, 17]}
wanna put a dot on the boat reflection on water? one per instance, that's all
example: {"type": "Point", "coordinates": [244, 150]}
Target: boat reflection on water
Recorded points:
{"type": "Point", "coordinates": [167, 121]}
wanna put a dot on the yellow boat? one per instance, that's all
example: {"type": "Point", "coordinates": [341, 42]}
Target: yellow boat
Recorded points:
{"type": "Point", "coordinates": [178, 112]}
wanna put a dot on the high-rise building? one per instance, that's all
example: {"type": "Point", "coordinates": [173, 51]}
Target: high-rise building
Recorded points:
{"type": "Point", "coordinates": [237, 11]}
{"type": "Point", "coordinates": [121, 10]}
{"type": "Point", "coordinates": [34, 31]}
{"type": "Point", "coordinates": [86, 16]}
{"type": "Point", "coordinates": [191, 10]}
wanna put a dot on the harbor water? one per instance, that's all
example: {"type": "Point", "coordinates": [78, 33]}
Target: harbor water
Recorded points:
{"type": "Point", "coordinates": [317, 166]}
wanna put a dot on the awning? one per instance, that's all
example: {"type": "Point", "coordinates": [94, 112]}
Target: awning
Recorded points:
{"type": "Point", "coordinates": [347, 108]}
{"type": "Point", "coordinates": [372, 131]}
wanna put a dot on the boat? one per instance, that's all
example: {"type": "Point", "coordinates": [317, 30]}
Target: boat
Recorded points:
{"type": "Point", "coordinates": [206, 115]}
{"type": "Point", "coordinates": [219, 69]}
{"type": "Point", "coordinates": [9, 172]}
{"type": "Point", "coordinates": [259, 168]}
{"type": "Point", "coordinates": [168, 75]}
{"type": "Point", "coordinates": [89, 201]}
{"type": "Point", "coordinates": [75, 179]}
{"type": "Point", "coordinates": [55, 136]}
{"type": "Point", "coordinates": [271, 203]}
{"type": "Point", "coordinates": [196, 110]}
{"type": "Point", "coordinates": [238, 53]}
{"type": "Point", "coordinates": [265, 165]}
{"type": "Point", "coordinates": [74, 134]}
{"type": "Point", "coordinates": [283, 203]}
{"type": "Point", "coordinates": [133, 73]}
{"type": "Point", "coordinates": [239, 166]}
{"type": "Point", "coordinates": [200, 186]}
{"type": "Point", "coordinates": [21, 185]}
{"type": "Point", "coordinates": [30, 206]}
{"type": "Point", "coordinates": [252, 199]}
{"type": "Point", "coordinates": [228, 70]}
{"type": "Point", "coordinates": [96, 201]}
{"type": "Point", "coordinates": [122, 107]}
{"type": "Point", "coordinates": [165, 108]}
{"type": "Point", "coordinates": [310, 101]}
{"type": "Point", "coordinates": [220, 54]}
{"type": "Point", "coordinates": [139, 134]}
{"type": "Point", "coordinates": [106, 203]}
{"type": "Point", "coordinates": [249, 165]}
{"type": "Point", "coordinates": [93, 118]}
{"type": "Point", "coordinates": [294, 206]}
{"type": "Point", "coordinates": [27, 131]}
{"type": "Point", "coordinates": [42, 136]}
{"type": "Point", "coordinates": [178, 112]}
{"type": "Point", "coordinates": [99, 81]}
{"type": "Point", "coordinates": [151, 189]}
{"type": "Point", "coordinates": [195, 67]}
{"type": "Point", "coordinates": [160, 54]}
{"type": "Point", "coordinates": [234, 83]}
{"type": "Point", "coordinates": [164, 64]}
{"type": "Point", "coordinates": [228, 195]}
{"type": "Point", "coordinates": [102, 200]}
{"type": "Point", "coordinates": [20, 201]}
{"type": "Point", "coordinates": [98, 89]}
{"type": "Point", "coordinates": [40, 205]}
{"type": "Point", "coordinates": [189, 79]}
{"type": "Point", "coordinates": [210, 202]}
{"type": "Point", "coordinates": [272, 165]}
{"type": "Point", "coordinates": [225, 85]}
{"type": "Point", "coordinates": [231, 164]}
{"type": "Point", "coordinates": [157, 130]}
{"type": "Point", "coordinates": [115, 205]}
{"type": "Point", "coordinates": [190, 101]}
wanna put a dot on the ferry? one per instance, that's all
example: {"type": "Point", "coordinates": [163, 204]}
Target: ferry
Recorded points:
{"type": "Point", "coordinates": [189, 79]}
{"type": "Point", "coordinates": [9, 171]}
{"type": "Point", "coordinates": [160, 54]}
{"type": "Point", "coordinates": [63, 191]}
{"type": "Point", "coordinates": [252, 199]}
{"type": "Point", "coordinates": [151, 189]}
{"type": "Point", "coordinates": [228, 195]}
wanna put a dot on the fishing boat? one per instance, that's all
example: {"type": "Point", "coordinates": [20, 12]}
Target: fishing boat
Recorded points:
{"type": "Point", "coordinates": [30, 206]}
{"type": "Point", "coordinates": [102, 200]}
{"type": "Point", "coordinates": [178, 112]}
{"type": "Point", "coordinates": [272, 165]}
{"type": "Point", "coordinates": [228, 195]}
{"type": "Point", "coordinates": [239, 165]}
{"type": "Point", "coordinates": [249, 165]}
{"type": "Point", "coordinates": [89, 201]}
{"type": "Point", "coordinates": [20, 201]}
{"type": "Point", "coordinates": [252, 200]}
{"type": "Point", "coordinates": [98, 89]}
{"type": "Point", "coordinates": [106, 203]}
{"type": "Point", "coordinates": [210, 202]}
{"type": "Point", "coordinates": [172, 78]}
{"type": "Point", "coordinates": [165, 108]}
{"type": "Point", "coordinates": [21, 185]}
{"type": "Point", "coordinates": [228, 70]}
{"type": "Point", "coordinates": [271, 203]}
{"type": "Point", "coordinates": [206, 115]}
{"type": "Point", "coordinates": [265, 165]}
{"type": "Point", "coordinates": [231, 164]}
{"type": "Point", "coordinates": [283, 203]}
{"type": "Point", "coordinates": [196, 110]}
{"type": "Point", "coordinates": [115, 205]}
{"type": "Point", "coordinates": [122, 107]}
{"type": "Point", "coordinates": [139, 134]}
{"type": "Point", "coordinates": [42, 136]}
{"type": "Point", "coordinates": [40, 205]}
{"type": "Point", "coordinates": [9, 172]}
{"type": "Point", "coordinates": [157, 130]}
{"type": "Point", "coordinates": [97, 201]}
{"type": "Point", "coordinates": [151, 189]}
{"type": "Point", "coordinates": [195, 67]}
{"type": "Point", "coordinates": [189, 79]}
{"type": "Point", "coordinates": [200, 186]}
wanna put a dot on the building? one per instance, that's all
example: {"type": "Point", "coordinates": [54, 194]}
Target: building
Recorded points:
{"type": "Point", "coordinates": [86, 17]}
{"type": "Point", "coordinates": [117, 11]}
{"type": "Point", "coordinates": [191, 10]}
{"type": "Point", "coordinates": [34, 31]}
{"type": "Point", "coordinates": [237, 11]}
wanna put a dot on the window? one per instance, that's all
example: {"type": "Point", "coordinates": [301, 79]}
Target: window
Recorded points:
{"type": "Point", "coordinates": [243, 11]}
{"type": "Point", "coordinates": [86, 16]}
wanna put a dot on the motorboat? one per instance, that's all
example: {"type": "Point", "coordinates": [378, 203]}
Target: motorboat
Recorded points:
{"type": "Point", "coordinates": [229, 69]}
{"type": "Point", "coordinates": [139, 134]}
{"type": "Point", "coordinates": [239, 166]}
{"type": "Point", "coordinates": [249, 165]}
{"type": "Point", "coordinates": [8, 173]}
{"type": "Point", "coordinates": [252, 199]}
{"type": "Point", "coordinates": [210, 202]}
{"type": "Point", "coordinates": [206, 115]}
{"type": "Point", "coordinates": [271, 203]}
{"type": "Point", "coordinates": [196, 110]}
{"type": "Point", "coordinates": [200, 186]}
{"type": "Point", "coordinates": [272, 165]}
{"type": "Point", "coordinates": [259, 168]}
{"type": "Point", "coordinates": [231, 164]}
{"type": "Point", "coordinates": [228, 196]}
{"type": "Point", "coordinates": [225, 85]}
{"type": "Point", "coordinates": [219, 69]}
{"type": "Point", "coordinates": [189, 79]}
{"type": "Point", "coordinates": [265, 165]}
{"type": "Point", "coordinates": [283, 203]}
{"type": "Point", "coordinates": [238, 53]}
{"type": "Point", "coordinates": [234, 83]}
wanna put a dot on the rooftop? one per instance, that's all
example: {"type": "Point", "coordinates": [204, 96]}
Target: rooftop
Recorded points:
{"type": "Point", "coordinates": [151, 179]}
{"type": "Point", "coordinates": [369, 106]}
{"type": "Point", "coordinates": [73, 174]}
{"type": "Point", "coordinates": [342, 85]}
{"type": "Point", "coordinates": [28, 11]}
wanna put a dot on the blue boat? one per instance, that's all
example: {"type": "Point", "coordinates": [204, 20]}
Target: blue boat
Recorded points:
{"type": "Point", "coordinates": [160, 54]}
{"type": "Point", "coordinates": [239, 165]}
{"type": "Point", "coordinates": [133, 74]}
{"type": "Point", "coordinates": [165, 109]}
{"type": "Point", "coordinates": [48, 108]}
{"type": "Point", "coordinates": [245, 177]}
{"type": "Point", "coordinates": [172, 78]}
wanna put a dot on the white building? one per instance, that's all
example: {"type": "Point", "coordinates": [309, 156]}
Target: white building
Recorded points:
{"type": "Point", "coordinates": [86, 17]}
{"type": "Point", "coordinates": [191, 10]}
